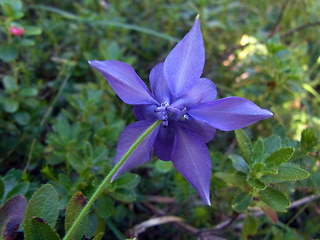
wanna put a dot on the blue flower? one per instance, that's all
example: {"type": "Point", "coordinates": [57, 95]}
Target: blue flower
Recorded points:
{"type": "Point", "coordinates": [186, 105]}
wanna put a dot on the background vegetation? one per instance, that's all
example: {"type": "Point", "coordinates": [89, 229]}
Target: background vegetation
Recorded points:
{"type": "Point", "coordinates": [60, 121]}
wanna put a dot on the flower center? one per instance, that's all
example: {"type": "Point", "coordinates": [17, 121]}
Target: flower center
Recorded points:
{"type": "Point", "coordinates": [165, 112]}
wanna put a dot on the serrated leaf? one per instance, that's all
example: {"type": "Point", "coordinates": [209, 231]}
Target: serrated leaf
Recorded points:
{"type": "Point", "coordinates": [43, 204]}
{"type": "Point", "coordinates": [258, 151]}
{"type": "Point", "coordinates": [11, 215]}
{"type": "Point", "coordinates": [286, 172]}
{"type": "Point", "coordinates": [104, 207]}
{"type": "Point", "coordinates": [74, 207]}
{"type": "Point", "coordinates": [127, 180]}
{"type": "Point", "coordinates": [87, 149]}
{"type": "Point", "coordinates": [63, 128]}
{"type": "Point", "coordinates": [239, 163]}
{"type": "Point", "coordinates": [256, 183]}
{"type": "Point", "coordinates": [77, 163]}
{"type": "Point", "coordinates": [123, 194]}
{"type": "Point", "coordinates": [274, 199]}
{"type": "Point", "coordinates": [237, 179]}
{"type": "Point", "coordinates": [244, 144]}
{"type": "Point", "coordinates": [250, 226]}
{"type": "Point", "coordinates": [271, 144]}
{"type": "Point", "coordinates": [280, 156]}
{"type": "Point", "coordinates": [40, 229]}
{"type": "Point", "coordinates": [241, 202]}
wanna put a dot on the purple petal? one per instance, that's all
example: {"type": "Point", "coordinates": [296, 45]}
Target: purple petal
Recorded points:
{"type": "Point", "coordinates": [203, 91]}
{"type": "Point", "coordinates": [164, 142]}
{"type": "Point", "coordinates": [159, 85]}
{"type": "Point", "coordinates": [124, 81]}
{"type": "Point", "coordinates": [143, 151]}
{"type": "Point", "coordinates": [229, 113]}
{"type": "Point", "coordinates": [192, 159]}
{"type": "Point", "coordinates": [200, 128]}
{"type": "Point", "coordinates": [144, 112]}
{"type": "Point", "coordinates": [184, 64]}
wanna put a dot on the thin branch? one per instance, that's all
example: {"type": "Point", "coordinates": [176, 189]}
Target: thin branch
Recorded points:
{"type": "Point", "coordinates": [300, 28]}
{"type": "Point", "coordinates": [276, 27]}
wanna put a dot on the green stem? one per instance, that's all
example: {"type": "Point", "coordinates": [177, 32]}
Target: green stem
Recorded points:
{"type": "Point", "coordinates": [107, 179]}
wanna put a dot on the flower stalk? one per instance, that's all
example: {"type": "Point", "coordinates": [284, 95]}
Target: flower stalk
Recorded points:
{"type": "Point", "coordinates": [107, 179]}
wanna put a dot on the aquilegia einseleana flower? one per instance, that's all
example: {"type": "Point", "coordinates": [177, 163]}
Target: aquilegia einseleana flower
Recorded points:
{"type": "Point", "coordinates": [186, 105]}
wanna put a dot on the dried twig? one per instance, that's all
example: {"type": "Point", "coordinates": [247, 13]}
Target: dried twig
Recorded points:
{"type": "Point", "coordinates": [276, 27]}
{"type": "Point", "coordinates": [208, 233]}
{"type": "Point", "coordinates": [300, 28]}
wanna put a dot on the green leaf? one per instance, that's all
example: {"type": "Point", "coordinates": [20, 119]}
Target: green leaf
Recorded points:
{"type": "Point", "coordinates": [8, 53]}
{"type": "Point", "coordinates": [250, 226]}
{"type": "Point", "coordinates": [104, 207]}
{"type": "Point", "coordinates": [308, 139]}
{"type": "Point", "coordinates": [11, 105]}
{"type": "Point", "coordinates": [123, 194]}
{"type": "Point", "coordinates": [22, 118]}
{"type": "Point", "coordinates": [76, 162]}
{"type": "Point", "coordinates": [164, 166]}
{"type": "Point", "coordinates": [271, 144]}
{"type": "Point", "coordinates": [1, 189]}
{"type": "Point", "coordinates": [26, 42]}
{"type": "Point", "coordinates": [280, 156]}
{"type": "Point", "coordinates": [274, 199]}
{"type": "Point", "coordinates": [256, 183]}
{"type": "Point", "coordinates": [43, 204]}
{"type": "Point", "coordinates": [28, 92]}
{"type": "Point", "coordinates": [20, 189]}
{"type": "Point", "coordinates": [9, 84]}
{"type": "Point", "coordinates": [40, 229]}
{"type": "Point", "coordinates": [11, 215]}
{"type": "Point", "coordinates": [87, 149]}
{"type": "Point", "coordinates": [99, 236]}
{"type": "Point", "coordinates": [7, 8]}
{"type": "Point", "coordinates": [244, 144]}
{"type": "Point", "coordinates": [127, 181]}
{"type": "Point", "coordinates": [258, 150]}
{"type": "Point", "coordinates": [74, 207]}
{"type": "Point", "coordinates": [286, 172]}
{"type": "Point", "coordinates": [63, 128]}
{"type": "Point", "coordinates": [238, 179]}
{"type": "Point", "coordinates": [31, 30]}
{"type": "Point", "coordinates": [241, 202]}
{"type": "Point", "coordinates": [239, 163]}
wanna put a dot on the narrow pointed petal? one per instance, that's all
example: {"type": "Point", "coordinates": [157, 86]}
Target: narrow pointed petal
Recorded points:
{"type": "Point", "coordinates": [164, 142]}
{"type": "Point", "coordinates": [143, 151]}
{"type": "Point", "coordinates": [158, 84]}
{"type": "Point", "coordinates": [200, 128]}
{"type": "Point", "coordinates": [184, 64]}
{"type": "Point", "coordinates": [144, 112]}
{"type": "Point", "coordinates": [192, 159]}
{"type": "Point", "coordinates": [203, 91]}
{"type": "Point", "coordinates": [124, 81]}
{"type": "Point", "coordinates": [229, 113]}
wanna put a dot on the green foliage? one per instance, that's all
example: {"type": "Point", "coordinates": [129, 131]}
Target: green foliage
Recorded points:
{"type": "Point", "coordinates": [44, 207]}
{"type": "Point", "coordinates": [60, 121]}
